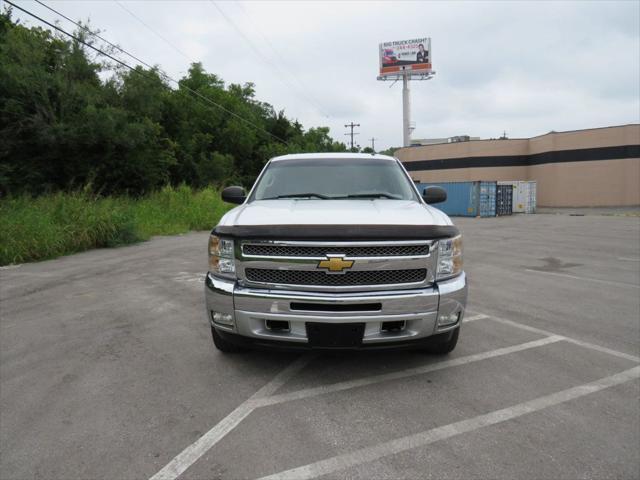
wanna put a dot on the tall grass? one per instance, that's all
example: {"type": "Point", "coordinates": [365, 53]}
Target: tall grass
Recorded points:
{"type": "Point", "coordinates": [34, 229]}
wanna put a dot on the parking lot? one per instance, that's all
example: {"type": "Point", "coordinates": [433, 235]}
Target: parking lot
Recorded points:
{"type": "Point", "coordinates": [107, 371]}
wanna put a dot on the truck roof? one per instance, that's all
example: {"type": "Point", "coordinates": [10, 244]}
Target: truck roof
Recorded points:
{"type": "Point", "coordinates": [321, 156]}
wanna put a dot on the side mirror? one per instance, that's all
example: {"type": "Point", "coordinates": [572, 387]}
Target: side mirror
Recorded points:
{"type": "Point", "coordinates": [234, 195]}
{"type": "Point", "coordinates": [434, 194]}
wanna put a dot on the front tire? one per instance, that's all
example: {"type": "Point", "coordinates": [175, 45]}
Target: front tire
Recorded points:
{"type": "Point", "coordinates": [223, 345]}
{"type": "Point", "coordinates": [446, 346]}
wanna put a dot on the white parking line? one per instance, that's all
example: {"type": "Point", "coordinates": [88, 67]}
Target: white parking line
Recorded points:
{"type": "Point", "coordinates": [361, 382]}
{"type": "Point", "coordinates": [479, 316]}
{"type": "Point", "coordinates": [194, 451]}
{"type": "Point", "coordinates": [575, 341]}
{"type": "Point", "coordinates": [599, 348]}
{"type": "Point", "coordinates": [597, 280]}
{"type": "Point", "coordinates": [364, 455]}
{"type": "Point", "coordinates": [190, 278]}
{"type": "Point", "coordinates": [265, 396]}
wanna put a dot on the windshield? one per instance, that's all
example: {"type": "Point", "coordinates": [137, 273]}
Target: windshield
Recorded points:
{"type": "Point", "coordinates": [334, 179]}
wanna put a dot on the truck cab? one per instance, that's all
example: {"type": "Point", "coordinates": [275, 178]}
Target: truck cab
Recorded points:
{"type": "Point", "coordinates": [335, 251]}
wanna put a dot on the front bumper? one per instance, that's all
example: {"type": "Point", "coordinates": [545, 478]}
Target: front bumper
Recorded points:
{"type": "Point", "coordinates": [246, 311]}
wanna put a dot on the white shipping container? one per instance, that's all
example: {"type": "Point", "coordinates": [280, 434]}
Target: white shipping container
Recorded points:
{"type": "Point", "coordinates": [524, 195]}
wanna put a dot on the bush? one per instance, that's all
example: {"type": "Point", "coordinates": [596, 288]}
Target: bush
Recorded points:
{"type": "Point", "coordinates": [63, 223]}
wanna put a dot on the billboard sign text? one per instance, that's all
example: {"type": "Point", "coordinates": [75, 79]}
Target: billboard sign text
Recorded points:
{"type": "Point", "coordinates": [410, 56]}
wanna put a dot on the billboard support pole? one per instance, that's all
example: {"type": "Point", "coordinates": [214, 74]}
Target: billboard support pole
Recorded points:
{"type": "Point", "coordinates": [406, 112]}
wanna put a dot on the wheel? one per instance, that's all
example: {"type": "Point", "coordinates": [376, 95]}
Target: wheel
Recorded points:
{"type": "Point", "coordinates": [446, 345]}
{"type": "Point", "coordinates": [223, 345]}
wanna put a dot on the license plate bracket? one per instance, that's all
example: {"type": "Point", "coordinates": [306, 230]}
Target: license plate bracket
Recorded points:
{"type": "Point", "coordinates": [335, 335]}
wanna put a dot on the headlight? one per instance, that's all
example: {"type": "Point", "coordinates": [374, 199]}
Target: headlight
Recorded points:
{"type": "Point", "coordinates": [449, 257]}
{"type": "Point", "coordinates": [221, 257]}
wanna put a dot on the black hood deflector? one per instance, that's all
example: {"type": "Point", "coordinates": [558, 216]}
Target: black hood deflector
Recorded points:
{"type": "Point", "coordinates": [338, 232]}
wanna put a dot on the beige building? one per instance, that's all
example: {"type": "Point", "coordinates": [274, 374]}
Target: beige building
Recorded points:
{"type": "Point", "coordinates": [583, 168]}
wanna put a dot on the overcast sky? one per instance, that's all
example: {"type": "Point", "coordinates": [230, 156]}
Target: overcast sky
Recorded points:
{"type": "Point", "coordinates": [521, 67]}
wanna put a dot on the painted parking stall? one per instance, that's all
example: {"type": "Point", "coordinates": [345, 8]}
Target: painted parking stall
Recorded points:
{"type": "Point", "coordinates": [118, 378]}
{"type": "Point", "coordinates": [375, 452]}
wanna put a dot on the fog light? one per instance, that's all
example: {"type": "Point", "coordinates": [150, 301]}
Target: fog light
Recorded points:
{"type": "Point", "coordinates": [448, 319]}
{"type": "Point", "coordinates": [278, 325]}
{"type": "Point", "coordinates": [393, 327]}
{"type": "Point", "coordinates": [222, 318]}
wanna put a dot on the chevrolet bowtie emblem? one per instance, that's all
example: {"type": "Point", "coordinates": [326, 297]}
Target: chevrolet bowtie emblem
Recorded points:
{"type": "Point", "coordinates": [335, 264]}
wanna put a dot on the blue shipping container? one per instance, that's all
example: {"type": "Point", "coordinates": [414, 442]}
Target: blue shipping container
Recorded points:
{"type": "Point", "coordinates": [466, 199]}
{"type": "Point", "coordinates": [462, 198]}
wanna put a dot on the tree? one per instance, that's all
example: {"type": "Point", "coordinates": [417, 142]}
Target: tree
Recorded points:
{"type": "Point", "coordinates": [68, 121]}
{"type": "Point", "coordinates": [391, 151]}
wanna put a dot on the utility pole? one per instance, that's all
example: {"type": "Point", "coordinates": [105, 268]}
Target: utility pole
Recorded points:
{"type": "Point", "coordinates": [373, 144]}
{"type": "Point", "coordinates": [351, 134]}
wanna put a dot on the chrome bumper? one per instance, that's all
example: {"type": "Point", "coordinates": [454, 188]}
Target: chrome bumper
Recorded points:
{"type": "Point", "coordinates": [246, 310]}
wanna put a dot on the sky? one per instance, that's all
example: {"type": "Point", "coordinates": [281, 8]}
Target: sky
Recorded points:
{"type": "Point", "coordinates": [524, 68]}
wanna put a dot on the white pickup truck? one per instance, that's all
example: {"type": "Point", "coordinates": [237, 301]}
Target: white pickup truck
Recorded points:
{"type": "Point", "coordinates": [335, 251]}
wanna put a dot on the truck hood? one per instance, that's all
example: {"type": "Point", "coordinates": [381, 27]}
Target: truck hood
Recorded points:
{"type": "Point", "coordinates": [334, 212]}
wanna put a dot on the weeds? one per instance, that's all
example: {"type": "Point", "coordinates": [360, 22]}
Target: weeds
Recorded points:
{"type": "Point", "coordinates": [33, 229]}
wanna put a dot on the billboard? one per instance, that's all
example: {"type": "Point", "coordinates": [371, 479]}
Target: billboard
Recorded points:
{"type": "Point", "coordinates": [413, 56]}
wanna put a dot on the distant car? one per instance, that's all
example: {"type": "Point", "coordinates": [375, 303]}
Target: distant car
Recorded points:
{"type": "Point", "coordinates": [389, 57]}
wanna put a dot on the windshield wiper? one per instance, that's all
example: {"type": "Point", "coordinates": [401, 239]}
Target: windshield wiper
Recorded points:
{"type": "Point", "coordinates": [298, 195]}
{"type": "Point", "coordinates": [327, 197]}
{"type": "Point", "coordinates": [372, 195]}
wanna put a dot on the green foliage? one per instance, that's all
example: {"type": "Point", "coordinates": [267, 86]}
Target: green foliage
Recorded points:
{"type": "Point", "coordinates": [63, 125]}
{"type": "Point", "coordinates": [176, 210]}
{"type": "Point", "coordinates": [63, 223]}
{"type": "Point", "coordinates": [149, 157]}
{"type": "Point", "coordinates": [390, 151]}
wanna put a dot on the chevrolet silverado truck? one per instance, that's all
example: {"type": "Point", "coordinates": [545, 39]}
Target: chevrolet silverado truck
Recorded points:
{"type": "Point", "coordinates": [335, 251]}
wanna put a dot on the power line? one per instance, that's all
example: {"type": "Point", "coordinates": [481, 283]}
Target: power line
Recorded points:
{"type": "Point", "coordinates": [86, 29]}
{"type": "Point", "coordinates": [373, 144]}
{"type": "Point", "coordinates": [120, 62]}
{"type": "Point", "coordinates": [153, 31]}
{"type": "Point", "coordinates": [280, 74]}
{"type": "Point", "coordinates": [277, 53]}
{"type": "Point", "coordinates": [352, 126]}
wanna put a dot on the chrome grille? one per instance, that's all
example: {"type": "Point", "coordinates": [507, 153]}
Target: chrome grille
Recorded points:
{"type": "Point", "coordinates": [322, 251]}
{"type": "Point", "coordinates": [363, 277]}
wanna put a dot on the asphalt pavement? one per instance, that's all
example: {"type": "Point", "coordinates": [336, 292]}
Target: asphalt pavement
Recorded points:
{"type": "Point", "coordinates": [107, 371]}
